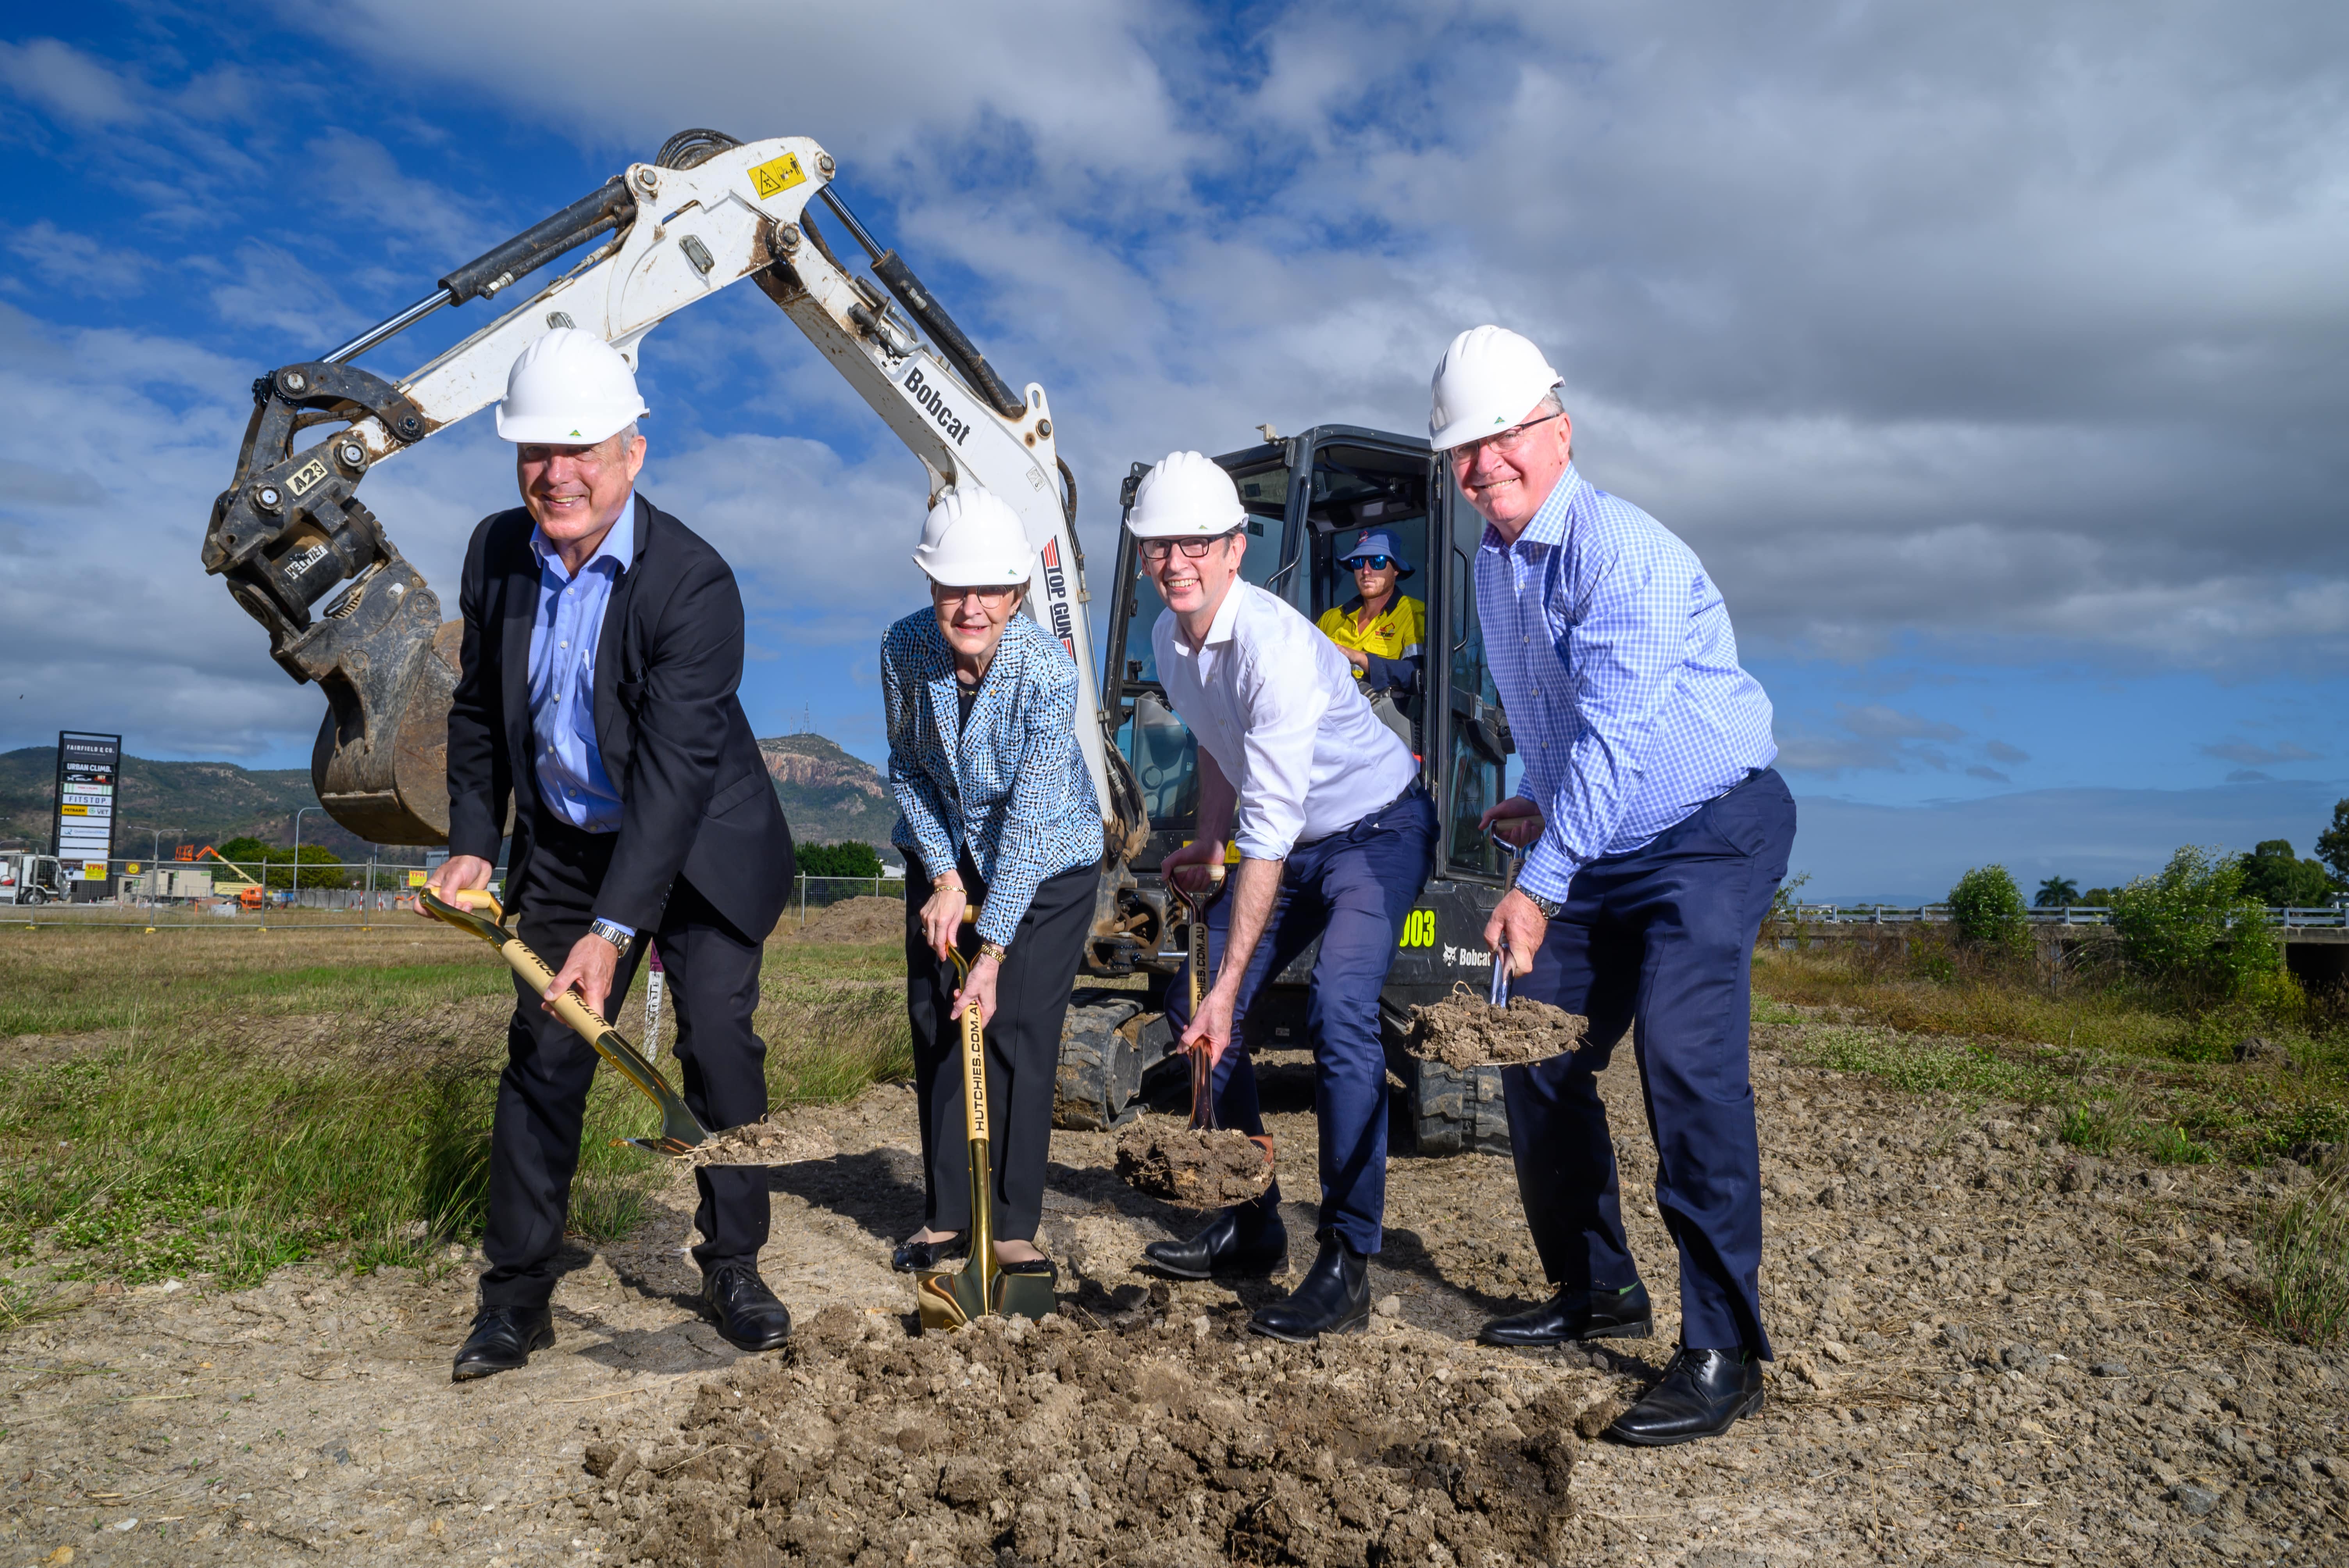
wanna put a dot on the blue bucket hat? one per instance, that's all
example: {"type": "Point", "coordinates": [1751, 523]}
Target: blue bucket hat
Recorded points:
{"type": "Point", "coordinates": [1375, 542]}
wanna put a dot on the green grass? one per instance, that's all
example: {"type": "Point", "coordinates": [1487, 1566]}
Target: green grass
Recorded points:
{"type": "Point", "coordinates": [190, 1138]}
{"type": "Point", "coordinates": [2304, 1249]}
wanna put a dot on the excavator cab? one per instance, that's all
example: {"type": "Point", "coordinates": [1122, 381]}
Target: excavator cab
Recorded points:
{"type": "Point", "coordinates": [1308, 497]}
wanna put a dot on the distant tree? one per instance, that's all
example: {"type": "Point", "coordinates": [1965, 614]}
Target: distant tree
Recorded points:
{"type": "Point", "coordinates": [2333, 845]}
{"type": "Point", "coordinates": [2058, 891]}
{"type": "Point", "coordinates": [2098, 897]}
{"type": "Point", "coordinates": [2194, 928]}
{"type": "Point", "coordinates": [1987, 909]}
{"type": "Point", "coordinates": [851, 859]}
{"type": "Point", "coordinates": [2273, 876]}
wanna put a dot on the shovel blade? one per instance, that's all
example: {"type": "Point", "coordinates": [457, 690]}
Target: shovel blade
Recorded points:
{"type": "Point", "coordinates": [948, 1301]}
{"type": "Point", "coordinates": [1024, 1295]}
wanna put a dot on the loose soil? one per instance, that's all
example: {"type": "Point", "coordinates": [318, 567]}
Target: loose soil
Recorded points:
{"type": "Point", "coordinates": [1192, 1167]}
{"type": "Point", "coordinates": [1464, 1031]}
{"type": "Point", "coordinates": [853, 920]}
{"type": "Point", "coordinates": [1991, 1351]}
{"type": "Point", "coordinates": [766, 1141]}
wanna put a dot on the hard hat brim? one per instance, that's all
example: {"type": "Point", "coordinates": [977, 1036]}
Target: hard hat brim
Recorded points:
{"type": "Point", "coordinates": [1460, 432]}
{"type": "Point", "coordinates": [1187, 530]}
{"type": "Point", "coordinates": [968, 577]}
{"type": "Point", "coordinates": [541, 429]}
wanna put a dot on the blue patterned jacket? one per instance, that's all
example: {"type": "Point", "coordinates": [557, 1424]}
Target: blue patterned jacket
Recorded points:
{"type": "Point", "coordinates": [1012, 789]}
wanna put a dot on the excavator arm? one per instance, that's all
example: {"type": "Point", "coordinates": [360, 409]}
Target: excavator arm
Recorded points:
{"type": "Point", "coordinates": [310, 563]}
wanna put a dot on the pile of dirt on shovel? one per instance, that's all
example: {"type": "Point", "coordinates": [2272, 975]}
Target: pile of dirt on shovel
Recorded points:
{"type": "Point", "coordinates": [766, 1141]}
{"type": "Point", "coordinates": [1174, 1445]}
{"type": "Point", "coordinates": [1191, 1166]}
{"type": "Point", "coordinates": [1463, 1030]}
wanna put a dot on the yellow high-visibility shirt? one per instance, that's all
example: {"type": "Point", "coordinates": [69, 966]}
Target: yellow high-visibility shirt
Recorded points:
{"type": "Point", "coordinates": [1396, 632]}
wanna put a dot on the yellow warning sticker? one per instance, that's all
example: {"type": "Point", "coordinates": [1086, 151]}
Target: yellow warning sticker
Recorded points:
{"type": "Point", "coordinates": [777, 175]}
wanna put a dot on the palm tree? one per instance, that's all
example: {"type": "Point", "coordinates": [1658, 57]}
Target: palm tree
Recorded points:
{"type": "Point", "coordinates": [2058, 891]}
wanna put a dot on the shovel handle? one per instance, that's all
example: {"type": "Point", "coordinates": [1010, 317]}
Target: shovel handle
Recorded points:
{"type": "Point", "coordinates": [479, 898]}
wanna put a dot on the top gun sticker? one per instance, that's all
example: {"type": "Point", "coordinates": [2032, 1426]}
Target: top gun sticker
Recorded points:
{"type": "Point", "coordinates": [777, 175]}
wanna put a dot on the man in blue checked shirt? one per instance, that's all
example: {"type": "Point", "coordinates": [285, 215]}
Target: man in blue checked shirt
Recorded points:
{"type": "Point", "coordinates": [1655, 832]}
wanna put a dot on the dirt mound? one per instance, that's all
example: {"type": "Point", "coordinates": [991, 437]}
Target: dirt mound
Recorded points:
{"type": "Point", "coordinates": [766, 1141]}
{"type": "Point", "coordinates": [1158, 1444]}
{"type": "Point", "coordinates": [1463, 1030]}
{"type": "Point", "coordinates": [1192, 1167]}
{"type": "Point", "coordinates": [865, 919]}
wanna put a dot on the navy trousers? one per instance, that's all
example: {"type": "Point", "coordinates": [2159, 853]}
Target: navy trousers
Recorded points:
{"type": "Point", "coordinates": [713, 981]}
{"type": "Point", "coordinates": [1353, 890]}
{"type": "Point", "coordinates": [1661, 939]}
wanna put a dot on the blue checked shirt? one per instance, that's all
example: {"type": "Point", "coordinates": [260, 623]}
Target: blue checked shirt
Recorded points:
{"type": "Point", "coordinates": [571, 782]}
{"type": "Point", "coordinates": [1617, 667]}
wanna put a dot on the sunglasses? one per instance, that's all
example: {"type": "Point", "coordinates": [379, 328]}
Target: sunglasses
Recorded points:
{"type": "Point", "coordinates": [1375, 562]}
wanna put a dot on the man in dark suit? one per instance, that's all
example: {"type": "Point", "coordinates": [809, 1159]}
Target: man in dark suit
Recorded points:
{"type": "Point", "coordinates": [603, 646]}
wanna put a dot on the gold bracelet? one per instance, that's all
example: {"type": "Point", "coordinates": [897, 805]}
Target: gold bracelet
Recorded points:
{"type": "Point", "coordinates": [992, 950]}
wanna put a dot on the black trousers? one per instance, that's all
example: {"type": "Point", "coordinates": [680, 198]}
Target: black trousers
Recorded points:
{"type": "Point", "coordinates": [713, 981]}
{"type": "Point", "coordinates": [1023, 1049]}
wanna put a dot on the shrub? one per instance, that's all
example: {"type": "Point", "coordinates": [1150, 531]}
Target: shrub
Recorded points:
{"type": "Point", "coordinates": [845, 860]}
{"type": "Point", "coordinates": [321, 867]}
{"type": "Point", "coordinates": [1986, 909]}
{"type": "Point", "coordinates": [2194, 929]}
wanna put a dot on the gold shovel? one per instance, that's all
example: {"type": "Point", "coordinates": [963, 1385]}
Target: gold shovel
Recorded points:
{"type": "Point", "coordinates": [951, 1299]}
{"type": "Point", "coordinates": [1203, 1072]}
{"type": "Point", "coordinates": [681, 1131]}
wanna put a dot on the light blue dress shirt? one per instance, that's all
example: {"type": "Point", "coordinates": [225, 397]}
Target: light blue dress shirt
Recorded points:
{"type": "Point", "coordinates": [1617, 669]}
{"type": "Point", "coordinates": [571, 782]}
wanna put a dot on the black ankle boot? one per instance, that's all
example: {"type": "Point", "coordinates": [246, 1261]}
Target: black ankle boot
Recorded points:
{"type": "Point", "coordinates": [1226, 1247]}
{"type": "Point", "coordinates": [1334, 1297]}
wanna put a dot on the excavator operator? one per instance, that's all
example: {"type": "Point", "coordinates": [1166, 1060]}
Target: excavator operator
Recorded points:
{"type": "Point", "coordinates": [1381, 630]}
{"type": "Point", "coordinates": [602, 645]}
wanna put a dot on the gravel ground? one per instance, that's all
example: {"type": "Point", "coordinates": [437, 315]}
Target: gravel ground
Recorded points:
{"type": "Point", "coordinates": [1991, 1351]}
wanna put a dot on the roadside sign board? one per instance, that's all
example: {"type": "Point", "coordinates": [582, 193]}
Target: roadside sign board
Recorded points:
{"type": "Point", "coordinates": [88, 772]}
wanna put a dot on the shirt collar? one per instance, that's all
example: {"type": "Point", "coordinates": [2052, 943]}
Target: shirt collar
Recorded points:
{"type": "Point", "coordinates": [1219, 630]}
{"type": "Point", "coordinates": [619, 546]}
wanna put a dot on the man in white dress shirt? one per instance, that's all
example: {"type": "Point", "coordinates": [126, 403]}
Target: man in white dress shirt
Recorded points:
{"type": "Point", "coordinates": [1336, 836]}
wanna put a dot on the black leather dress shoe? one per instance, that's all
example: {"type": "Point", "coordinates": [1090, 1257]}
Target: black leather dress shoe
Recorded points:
{"type": "Point", "coordinates": [1701, 1395]}
{"type": "Point", "coordinates": [747, 1312]}
{"type": "Point", "coordinates": [1225, 1248]}
{"type": "Point", "coordinates": [1573, 1314]}
{"type": "Point", "coordinates": [925, 1257]}
{"type": "Point", "coordinates": [1334, 1297]}
{"type": "Point", "coordinates": [502, 1340]}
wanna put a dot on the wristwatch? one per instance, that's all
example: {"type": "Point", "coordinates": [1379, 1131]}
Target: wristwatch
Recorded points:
{"type": "Point", "coordinates": [1550, 908]}
{"type": "Point", "coordinates": [618, 935]}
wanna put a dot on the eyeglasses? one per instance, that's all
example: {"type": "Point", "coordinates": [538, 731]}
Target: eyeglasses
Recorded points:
{"type": "Point", "coordinates": [1375, 562]}
{"type": "Point", "coordinates": [990, 597]}
{"type": "Point", "coordinates": [1503, 441]}
{"type": "Point", "coordinates": [1156, 550]}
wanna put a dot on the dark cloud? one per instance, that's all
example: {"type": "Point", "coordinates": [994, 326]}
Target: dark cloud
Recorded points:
{"type": "Point", "coordinates": [2250, 756]}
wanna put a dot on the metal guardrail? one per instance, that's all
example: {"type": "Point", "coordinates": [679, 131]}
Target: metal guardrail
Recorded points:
{"type": "Point", "coordinates": [2290, 919]}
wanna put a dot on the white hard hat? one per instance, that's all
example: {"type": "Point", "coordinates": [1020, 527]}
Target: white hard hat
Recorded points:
{"type": "Point", "coordinates": [569, 389]}
{"type": "Point", "coordinates": [972, 539]}
{"type": "Point", "coordinates": [1186, 494]}
{"type": "Point", "coordinates": [1489, 379]}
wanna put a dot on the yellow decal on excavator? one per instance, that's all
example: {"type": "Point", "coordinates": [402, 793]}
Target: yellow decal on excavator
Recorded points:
{"type": "Point", "coordinates": [777, 175]}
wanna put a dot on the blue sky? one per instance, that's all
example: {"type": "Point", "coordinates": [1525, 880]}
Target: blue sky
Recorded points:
{"type": "Point", "coordinates": [1991, 357]}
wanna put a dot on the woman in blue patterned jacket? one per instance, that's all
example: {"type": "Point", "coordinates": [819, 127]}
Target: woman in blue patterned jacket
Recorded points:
{"type": "Point", "coordinates": [1000, 812]}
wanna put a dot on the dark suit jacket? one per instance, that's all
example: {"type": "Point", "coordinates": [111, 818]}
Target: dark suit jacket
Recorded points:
{"type": "Point", "coordinates": [696, 800]}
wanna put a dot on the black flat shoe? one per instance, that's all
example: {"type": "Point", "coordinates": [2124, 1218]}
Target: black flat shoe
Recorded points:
{"type": "Point", "coordinates": [925, 1257]}
{"type": "Point", "coordinates": [1702, 1395]}
{"type": "Point", "coordinates": [502, 1340]}
{"type": "Point", "coordinates": [1041, 1268]}
{"type": "Point", "coordinates": [1225, 1248]}
{"type": "Point", "coordinates": [1334, 1297]}
{"type": "Point", "coordinates": [747, 1313]}
{"type": "Point", "coordinates": [1575, 1315]}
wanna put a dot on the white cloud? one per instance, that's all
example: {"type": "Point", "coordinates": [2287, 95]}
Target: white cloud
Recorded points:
{"type": "Point", "coordinates": [68, 83]}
